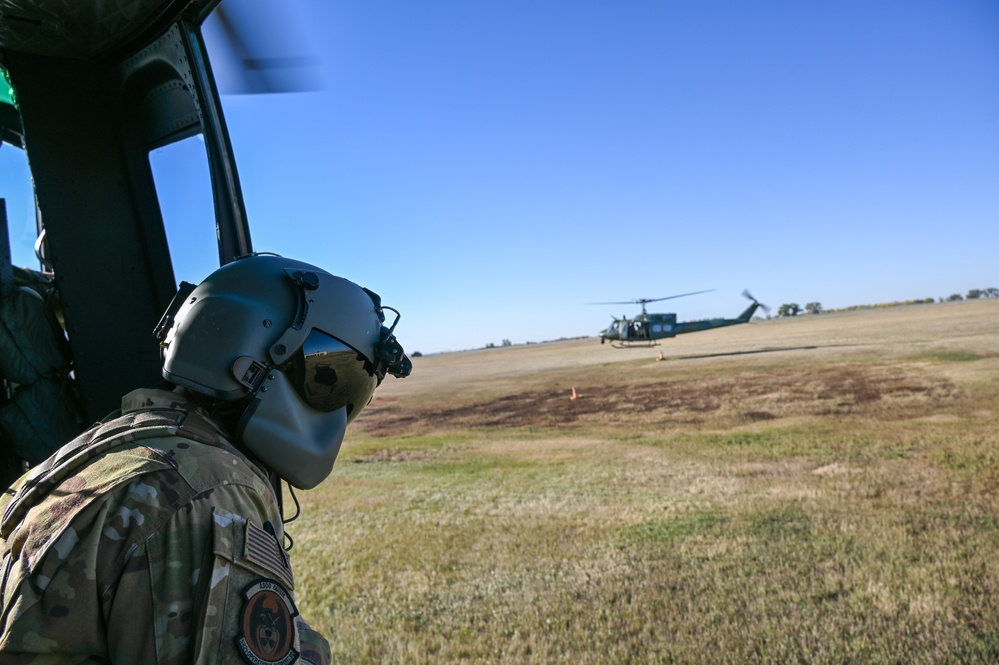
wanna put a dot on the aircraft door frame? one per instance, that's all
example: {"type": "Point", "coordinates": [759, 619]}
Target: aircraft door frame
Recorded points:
{"type": "Point", "coordinates": [88, 127]}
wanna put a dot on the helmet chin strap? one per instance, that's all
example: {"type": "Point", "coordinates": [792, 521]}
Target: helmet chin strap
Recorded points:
{"type": "Point", "coordinates": [298, 443]}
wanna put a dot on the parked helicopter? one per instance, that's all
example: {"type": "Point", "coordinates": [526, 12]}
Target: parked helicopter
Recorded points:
{"type": "Point", "coordinates": [645, 329]}
{"type": "Point", "coordinates": [89, 89]}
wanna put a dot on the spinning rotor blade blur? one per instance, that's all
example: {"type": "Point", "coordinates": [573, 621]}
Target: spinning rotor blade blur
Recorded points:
{"type": "Point", "coordinates": [642, 301]}
{"type": "Point", "coordinates": [260, 47]}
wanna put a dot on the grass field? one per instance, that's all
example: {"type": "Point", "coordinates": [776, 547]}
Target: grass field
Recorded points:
{"type": "Point", "coordinates": [823, 489]}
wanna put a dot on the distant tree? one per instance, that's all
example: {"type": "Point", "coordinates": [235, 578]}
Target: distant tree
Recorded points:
{"type": "Point", "coordinates": [991, 292]}
{"type": "Point", "coordinates": [974, 294]}
{"type": "Point", "coordinates": [506, 342]}
{"type": "Point", "coordinates": [813, 308]}
{"type": "Point", "coordinates": [954, 296]}
{"type": "Point", "coordinates": [790, 309]}
{"type": "Point", "coordinates": [416, 354]}
{"type": "Point", "coordinates": [490, 345]}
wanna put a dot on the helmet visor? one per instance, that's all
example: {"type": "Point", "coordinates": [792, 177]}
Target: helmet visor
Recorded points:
{"type": "Point", "coordinates": [327, 374]}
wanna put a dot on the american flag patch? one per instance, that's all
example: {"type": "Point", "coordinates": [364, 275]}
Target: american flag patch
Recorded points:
{"type": "Point", "coordinates": [264, 550]}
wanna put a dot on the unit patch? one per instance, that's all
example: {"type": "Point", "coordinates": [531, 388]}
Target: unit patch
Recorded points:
{"type": "Point", "coordinates": [268, 634]}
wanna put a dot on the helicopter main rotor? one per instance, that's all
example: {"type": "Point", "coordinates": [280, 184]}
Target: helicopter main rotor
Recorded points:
{"type": "Point", "coordinates": [644, 301]}
{"type": "Point", "coordinates": [263, 48]}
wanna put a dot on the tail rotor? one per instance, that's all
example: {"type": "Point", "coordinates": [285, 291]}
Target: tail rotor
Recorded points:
{"type": "Point", "coordinates": [747, 294]}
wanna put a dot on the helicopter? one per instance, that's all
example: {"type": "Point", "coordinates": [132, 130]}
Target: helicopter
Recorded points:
{"type": "Point", "coordinates": [646, 329]}
{"type": "Point", "coordinates": [88, 90]}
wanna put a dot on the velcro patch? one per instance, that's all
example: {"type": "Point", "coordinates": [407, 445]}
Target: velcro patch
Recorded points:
{"type": "Point", "coordinates": [267, 631]}
{"type": "Point", "coordinates": [264, 550]}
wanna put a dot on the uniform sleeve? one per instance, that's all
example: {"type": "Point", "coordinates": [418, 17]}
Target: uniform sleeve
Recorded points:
{"type": "Point", "coordinates": [315, 648]}
{"type": "Point", "coordinates": [216, 588]}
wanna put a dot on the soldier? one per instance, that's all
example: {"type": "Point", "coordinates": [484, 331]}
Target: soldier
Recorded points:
{"type": "Point", "coordinates": [157, 536]}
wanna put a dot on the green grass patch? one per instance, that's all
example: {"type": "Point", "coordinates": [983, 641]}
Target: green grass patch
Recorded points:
{"type": "Point", "coordinates": [473, 467]}
{"type": "Point", "coordinates": [370, 449]}
{"type": "Point", "coordinates": [763, 442]}
{"type": "Point", "coordinates": [976, 457]}
{"type": "Point", "coordinates": [948, 356]}
{"type": "Point", "coordinates": [702, 523]}
{"type": "Point", "coordinates": [779, 523]}
{"type": "Point", "coordinates": [816, 441]}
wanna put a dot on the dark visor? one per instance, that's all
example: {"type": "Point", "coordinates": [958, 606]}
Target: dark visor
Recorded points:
{"type": "Point", "coordinates": [327, 374]}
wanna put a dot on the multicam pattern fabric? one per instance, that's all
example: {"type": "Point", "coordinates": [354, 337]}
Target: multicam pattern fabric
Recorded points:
{"type": "Point", "coordinates": [139, 542]}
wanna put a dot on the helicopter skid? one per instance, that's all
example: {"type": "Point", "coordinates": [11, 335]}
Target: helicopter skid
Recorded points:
{"type": "Point", "coordinates": [630, 344]}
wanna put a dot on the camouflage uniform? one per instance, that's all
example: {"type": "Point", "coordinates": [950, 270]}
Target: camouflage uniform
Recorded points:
{"type": "Point", "coordinates": [149, 539]}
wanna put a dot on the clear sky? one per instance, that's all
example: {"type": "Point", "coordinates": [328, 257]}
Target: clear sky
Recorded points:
{"type": "Point", "coordinates": [491, 167]}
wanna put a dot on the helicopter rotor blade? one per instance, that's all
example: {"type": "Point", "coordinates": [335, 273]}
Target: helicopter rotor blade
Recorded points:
{"type": "Point", "coordinates": [682, 295]}
{"type": "Point", "coordinates": [260, 49]}
{"type": "Point", "coordinates": [642, 301]}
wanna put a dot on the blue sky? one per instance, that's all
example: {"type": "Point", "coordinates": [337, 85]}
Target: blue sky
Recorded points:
{"type": "Point", "coordinates": [490, 168]}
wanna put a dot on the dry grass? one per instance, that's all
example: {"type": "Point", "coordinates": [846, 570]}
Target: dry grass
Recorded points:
{"type": "Point", "coordinates": [815, 490]}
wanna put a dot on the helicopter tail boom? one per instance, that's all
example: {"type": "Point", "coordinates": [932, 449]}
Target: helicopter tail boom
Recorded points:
{"type": "Point", "coordinates": [748, 314]}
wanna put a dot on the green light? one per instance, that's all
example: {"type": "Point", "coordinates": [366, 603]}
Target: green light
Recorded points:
{"type": "Point", "coordinates": [6, 89]}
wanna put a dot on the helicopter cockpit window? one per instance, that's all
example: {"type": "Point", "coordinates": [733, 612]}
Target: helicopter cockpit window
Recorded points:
{"type": "Point", "coordinates": [184, 190]}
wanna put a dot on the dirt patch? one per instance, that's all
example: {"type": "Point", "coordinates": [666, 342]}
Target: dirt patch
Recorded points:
{"type": "Point", "coordinates": [741, 397]}
{"type": "Point", "coordinates": [834, 469]}
{"type": "Point", "coordinates": [547, 448]}
{"type": "Point", "coordinates": [393, 456]}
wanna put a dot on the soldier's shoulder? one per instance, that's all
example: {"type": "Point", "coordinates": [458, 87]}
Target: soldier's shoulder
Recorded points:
{"type": "Point", "coordinates": [41, 512]}
{"type": "Point", "coordinates": [190, 441]}
{"type": "Point", "coordinates": [205, 465]}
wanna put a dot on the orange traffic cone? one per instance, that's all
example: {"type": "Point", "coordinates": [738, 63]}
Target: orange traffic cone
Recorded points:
{"type": "Point", "coordinates": [575, 395]}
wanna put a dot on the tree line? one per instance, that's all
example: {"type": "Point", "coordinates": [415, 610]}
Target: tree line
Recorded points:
{"type": "Point", "coordinates": [794, 309]}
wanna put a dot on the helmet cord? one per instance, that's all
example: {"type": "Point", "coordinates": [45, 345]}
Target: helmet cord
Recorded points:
{"type": "Point", "coordinates": [298, 511]}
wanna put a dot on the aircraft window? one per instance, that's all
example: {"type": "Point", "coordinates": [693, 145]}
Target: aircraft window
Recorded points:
{"type": "Point", "coordinates": [184, 190]}
{"type": "Point", "coordinates": [19, 195]}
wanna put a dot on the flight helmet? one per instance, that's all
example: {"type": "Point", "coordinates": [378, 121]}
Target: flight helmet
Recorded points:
{"type": "Point", "coordinates": [303, 349]}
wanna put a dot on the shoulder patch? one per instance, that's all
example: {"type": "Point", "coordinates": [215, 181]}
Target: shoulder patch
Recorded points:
{"type": "Point", "coordinates": [268, 634]}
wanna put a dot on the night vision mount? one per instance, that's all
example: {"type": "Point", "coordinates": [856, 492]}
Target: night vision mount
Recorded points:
{"type": "Point", "coordinates": [389, 355]}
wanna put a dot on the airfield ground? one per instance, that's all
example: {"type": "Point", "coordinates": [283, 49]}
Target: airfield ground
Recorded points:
{"type": "Point", "coordinates": [816, 489]}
